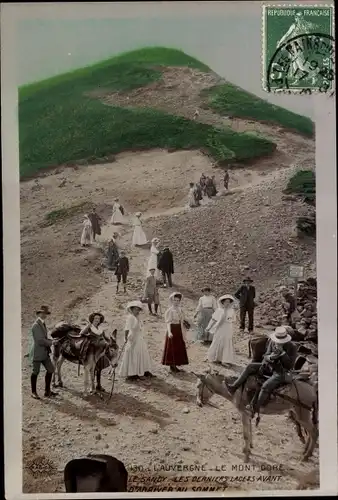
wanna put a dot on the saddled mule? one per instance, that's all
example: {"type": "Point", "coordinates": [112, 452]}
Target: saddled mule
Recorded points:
{"type": "Point", "coordinates": [297, 395]}
{"type": "Point", "coordinates": [94, 358]}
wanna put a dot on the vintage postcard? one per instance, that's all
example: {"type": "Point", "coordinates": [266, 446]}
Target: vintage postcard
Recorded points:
{"type": "Point", "coordinates": [169, 249]}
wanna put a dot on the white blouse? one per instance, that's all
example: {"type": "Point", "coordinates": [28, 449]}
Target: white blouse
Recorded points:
{"type": "Point", "coordinates": [133, 326]}
{"type": "Point", "coordinates": [206, 302]}
{"type": "Point", "coordinates": [174, 315]}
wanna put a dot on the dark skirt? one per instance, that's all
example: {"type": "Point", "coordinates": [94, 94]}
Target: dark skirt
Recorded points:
{"type": "Point", "coordinates": [175, 352]}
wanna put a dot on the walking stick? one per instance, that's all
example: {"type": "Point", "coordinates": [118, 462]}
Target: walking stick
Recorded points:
{"type": "Point", "coordinates": [114, 371]}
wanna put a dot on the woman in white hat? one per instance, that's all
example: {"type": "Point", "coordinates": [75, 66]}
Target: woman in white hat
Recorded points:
{"type": "Point", "coordinates": [175, 351]}
{"type": "Point", "coordinates": [206, 307]}
{"type": "Point", "coordinates": [117, 216]}
{"type": "Point", "coordinates": [136, 360]}
{"type": "Point", "coordinates": [87, 232]}
{"type": "Point", "coordinates": [154, 251]}
{"type": "Point", "coordinates": [279, 358]}
{"type": "Point", "coordinates": [221, 326]}
{"type": "Point", "coordinates": [139, 237]}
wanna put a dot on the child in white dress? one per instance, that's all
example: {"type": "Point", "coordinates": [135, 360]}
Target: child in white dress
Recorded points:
{"type": "Point", "coordinates": [152, 261]}
{"type": "Point", "coordinates": [221, 326]}
{"type": "Point", "coordinates": [136, 360]}
{"type": "Point", "coordinates": [117, 216]}
{"type": "Point", "coordinates": [139, 237]}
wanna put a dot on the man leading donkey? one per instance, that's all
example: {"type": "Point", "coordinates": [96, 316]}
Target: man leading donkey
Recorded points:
{"type": "Point", "coordinates": [278, 361]}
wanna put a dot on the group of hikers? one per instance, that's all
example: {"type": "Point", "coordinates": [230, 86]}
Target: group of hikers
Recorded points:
{"type": "Point", "coordinates": [215, 318]}
{"type": "Point", "coordinates": [206, 187]}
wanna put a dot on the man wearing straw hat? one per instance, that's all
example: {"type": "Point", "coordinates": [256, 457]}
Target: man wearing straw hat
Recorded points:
{"type": "Point", "coordinates": [278, 360]}
{"type": "Point", "coordinates": [40, 353]}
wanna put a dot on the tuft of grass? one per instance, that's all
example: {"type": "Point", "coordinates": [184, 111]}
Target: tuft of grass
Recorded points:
{"type": "Point", "coordinates": [64, 213]}
{"type": "Point", "coordinates": [229, 100]}
{"type": "Point", "coordinates": [303, 184]}
{"type": "Point", "coordinates": [59, 123]}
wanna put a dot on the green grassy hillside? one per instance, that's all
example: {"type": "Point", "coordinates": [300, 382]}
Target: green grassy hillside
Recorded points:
{"type": "Point", "coordinates": [58, 123]}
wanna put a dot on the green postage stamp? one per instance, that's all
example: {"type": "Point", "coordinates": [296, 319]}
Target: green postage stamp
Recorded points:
{"type": "Point", "coordinates": [298, 48]}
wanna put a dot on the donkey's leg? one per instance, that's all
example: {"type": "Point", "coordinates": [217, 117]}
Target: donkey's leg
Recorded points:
{"type": "Point", "coordinates": [92, 378]}
{"type": "Point", "coordinates": [293, 419]}
{"type": "Point", "coordinates": [59, 363]}
{"type": "Point", "coordinates": [250, 429]}
{"type": "Point", "coordinates": [247, 435]}
{"type": "Point", "coordinates": [54, 361]}
{"type": "Point", "coordinates": [304, 418]}
{"type": "Point", "coordinates": [86, 378]}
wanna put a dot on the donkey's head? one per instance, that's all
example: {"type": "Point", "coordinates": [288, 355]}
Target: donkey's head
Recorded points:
{"type": "Point", "coordinates": [112, 348]}
{"type": "Point", "coordinates": [209, 382]}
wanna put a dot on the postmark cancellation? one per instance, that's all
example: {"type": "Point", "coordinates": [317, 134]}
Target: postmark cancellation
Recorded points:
{"type": "Point", "coordinates": [298, 48]}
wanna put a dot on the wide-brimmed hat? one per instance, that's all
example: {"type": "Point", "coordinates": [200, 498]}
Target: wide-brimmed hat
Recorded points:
{"type": "Point", "coordinates": [225, 297]}
{"type": "Point", "coordinates": [134, 303]}
{"type": "Point", "coordinates": [138, 214]}
{"type": "Point", "coordinates": [280, 335]}
{"type": "Point", "coordinates": [175, 294]}
{"type": "Point", "coordinates": [152, 269]}
{"type": "Point", "coordinates": [248, 279]}
{"type": "Point", "coordinates": [155, 240]}
{"type": "Point", "coordinates": [43, 309]}
{"type": "Point", "coordinates": [92, 316]}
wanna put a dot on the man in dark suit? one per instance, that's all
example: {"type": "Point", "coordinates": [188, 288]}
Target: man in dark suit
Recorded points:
{"type": "Point", "coordinates": [166, 266]}
{"type": "Point", "coordinates": [246, 295]}
{"type": "Point", "coordinates": [41, 350]}
{"type": "Point", "coordinates": [279, 359]}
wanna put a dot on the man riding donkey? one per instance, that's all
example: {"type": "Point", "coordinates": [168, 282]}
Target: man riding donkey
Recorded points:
{"type": "Point", "coordinates": [277, 363]}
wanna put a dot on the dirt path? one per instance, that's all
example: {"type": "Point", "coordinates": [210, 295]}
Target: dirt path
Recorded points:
{"type": "Point", "coordinates": [157, 422]}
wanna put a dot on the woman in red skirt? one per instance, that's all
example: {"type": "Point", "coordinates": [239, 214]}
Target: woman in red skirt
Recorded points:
{"type": "Point", "coordinates": [175, 352]}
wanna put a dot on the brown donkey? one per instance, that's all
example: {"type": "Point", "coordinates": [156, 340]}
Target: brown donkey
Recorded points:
{"type": "Point", "coordinates": [298, 396]}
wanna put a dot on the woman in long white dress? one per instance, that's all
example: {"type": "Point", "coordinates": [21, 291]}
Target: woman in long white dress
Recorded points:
{"type": "Point", "coordinates": [206, 307]}
{"type": "Point", "coordinates": [152, 261]}
{"type": "Point", "coordinates": [136, 360]}
{"type": "Point", "coordinates": [139, 237]}
{"type": "Point", "coordinates": [87, 232]}
{"type": "Point", "coordinates": [221, 326]}
{"type": "Point", "coordinates": [117, 216]}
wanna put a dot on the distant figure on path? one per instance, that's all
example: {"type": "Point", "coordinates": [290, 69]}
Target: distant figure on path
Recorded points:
{"type": "Point", "coordinates": [246, 295]}
{"type": "Point", "coordinates": [95, 220]}
{"type": "Point", "coordinates": [139, 237]}
{"type": "Point", "coordinates": [192, 196]}
{"type": "Point", "coordinates": [175, 351]}
{"type": "Point", "coordinates": [87, 232]}
{"type": "Point", "coordinates": [118, 213]}
{"type": "Point", "coordinates": [221, 326]}
{"type": "Point", "coordinates": [196, 114]}
{"type": "Point", "coordinates": [40, 353]}
{"type": "Point", "coordinates": [203, 183]}
{"type": "Point", "coordinates": [136, 360]}
{"type": "Point", "coordinates": [153, 257]}
{"type": "Point", "coordinates": [113, 252]}
{"type": "Point", "coordinates": [150, 293]}
{"type": "Point", "coordinates": [226, 179]}
{"type": "Point", "coordinates": [166, 266]}
{"type": "Point", "coordinates": [207, 305]}
{"type": "Point", "coordinates": [199, 193]}
{"type": "Point", "coordinates": [210, 187]}
{"type": "Point", "coordinates": [289, 307]}
{"type": "Point", "coordinates": [122, 270]}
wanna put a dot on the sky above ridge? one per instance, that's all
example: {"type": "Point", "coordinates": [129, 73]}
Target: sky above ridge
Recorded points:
{"type": "Point", "coordinates": [230, 45]}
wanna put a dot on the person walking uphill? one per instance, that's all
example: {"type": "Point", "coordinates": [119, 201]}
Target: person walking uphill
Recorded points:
{"type": "Point", "coordinates": [122, 271]}
{"type": "Point", "coordinates": [150, 294]}
{"type": "Point", "coordinates": [40, 354]}
{"type": "Point", "coordinates": [95, 220]}
{"type": "Point", "coordinates": [246, 295]}
{"type": "Point", "coordinates": [175, 351]}
{"type": "Point", "coordinates": [166, 266]}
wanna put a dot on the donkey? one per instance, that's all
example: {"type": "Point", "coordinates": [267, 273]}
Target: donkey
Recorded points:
{"type": "Point", "coordinates": [298, 396]}
{"type": "Point", "coordinates": [98, 356]}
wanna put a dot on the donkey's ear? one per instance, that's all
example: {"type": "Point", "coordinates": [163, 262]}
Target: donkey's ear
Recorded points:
{"type": "Point", "coordinates": [113, 335]}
